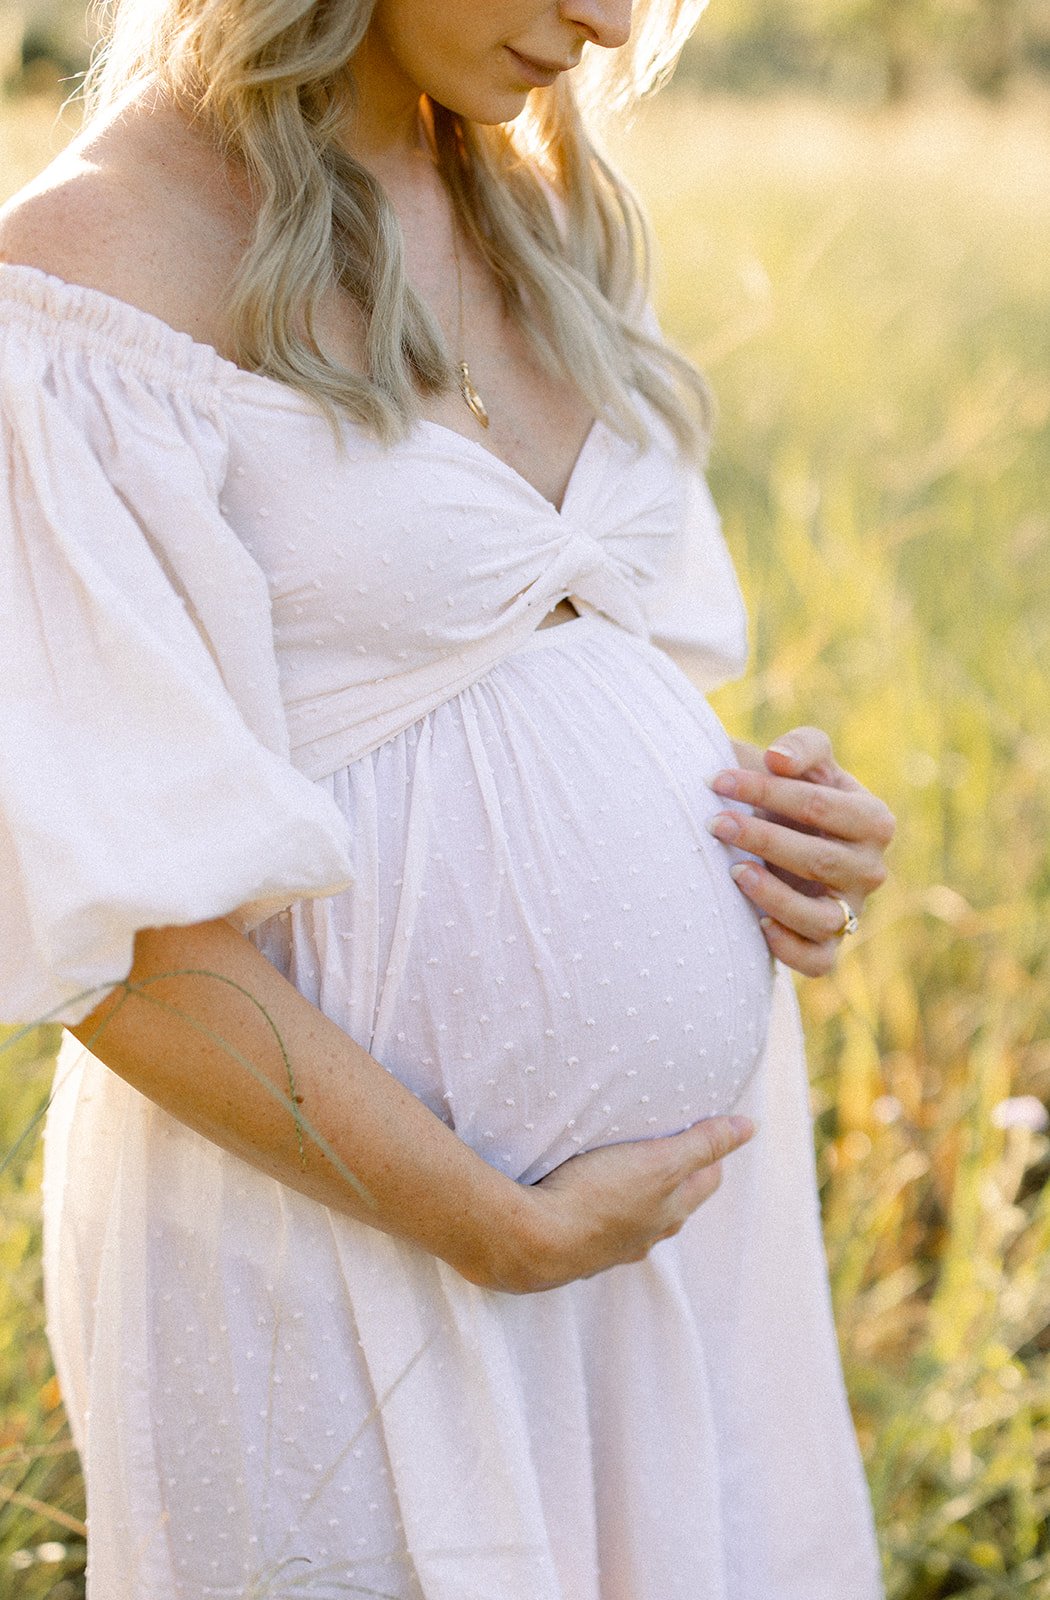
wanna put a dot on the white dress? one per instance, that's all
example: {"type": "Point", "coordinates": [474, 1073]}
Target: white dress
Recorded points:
{"type": "Point", "coordinates": [251, 671]}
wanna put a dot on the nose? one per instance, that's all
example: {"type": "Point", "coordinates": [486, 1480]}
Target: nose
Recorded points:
{"type": "Point", "coordinates": [606, 23]}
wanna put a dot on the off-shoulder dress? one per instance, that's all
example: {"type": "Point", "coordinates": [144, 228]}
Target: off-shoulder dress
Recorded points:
{"type": "Point", "coordinates": [253, 670]}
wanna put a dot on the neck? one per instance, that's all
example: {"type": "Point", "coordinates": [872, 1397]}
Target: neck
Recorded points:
{"type": "Point", "coordinates": [386, 129]}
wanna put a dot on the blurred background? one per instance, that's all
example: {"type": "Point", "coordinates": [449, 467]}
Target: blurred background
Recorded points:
{"type": "Point", "coordinates": [848, 49]}
{"type": "Point", "coordinates": [852, 207]}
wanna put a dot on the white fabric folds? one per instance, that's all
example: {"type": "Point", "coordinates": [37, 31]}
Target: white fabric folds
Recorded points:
{"type": "Point", "coordinates": [144, 775]}
{"type": "Point", "coordinates": [249, 670]}
{"type": "Point", "coordinates": [144, 771]}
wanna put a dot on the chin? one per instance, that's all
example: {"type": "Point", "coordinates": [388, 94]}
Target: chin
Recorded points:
{"type": "Point", "coordinates": [488, 109]}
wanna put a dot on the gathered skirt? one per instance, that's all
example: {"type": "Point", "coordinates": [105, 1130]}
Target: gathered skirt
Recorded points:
{"type": "Point", "coordinates": [543, 942]}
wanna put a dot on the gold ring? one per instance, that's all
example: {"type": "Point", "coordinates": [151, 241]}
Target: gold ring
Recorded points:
{"type": "Point", "coordinates": [850, 923]}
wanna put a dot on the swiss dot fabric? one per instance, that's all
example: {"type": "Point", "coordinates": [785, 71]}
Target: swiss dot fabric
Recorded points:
{"type": "Point", "coordinates": [256, 673]}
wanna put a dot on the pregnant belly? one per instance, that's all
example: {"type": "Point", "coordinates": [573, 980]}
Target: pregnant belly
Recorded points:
{"type": "Point", "coordinates": [543, 940]}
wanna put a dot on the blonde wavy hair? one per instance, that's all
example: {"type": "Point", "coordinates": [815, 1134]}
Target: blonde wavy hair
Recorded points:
{"type": "Point", "coordinates": [273, 81]}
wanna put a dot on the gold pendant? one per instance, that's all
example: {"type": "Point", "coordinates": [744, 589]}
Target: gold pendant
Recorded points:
{"type": "Point", "coordinates": [471, 395]}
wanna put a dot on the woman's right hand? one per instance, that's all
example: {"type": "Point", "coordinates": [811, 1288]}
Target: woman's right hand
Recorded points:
{"type": "Point", "coordinates": [611, 1205]}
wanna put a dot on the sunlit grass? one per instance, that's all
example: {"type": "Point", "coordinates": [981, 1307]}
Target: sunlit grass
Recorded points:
{"type": "Point", "coordinates": [870, 299]}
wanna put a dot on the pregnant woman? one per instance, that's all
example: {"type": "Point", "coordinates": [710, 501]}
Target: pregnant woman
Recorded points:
{"type": "Point", "coordinates": [359, 825]}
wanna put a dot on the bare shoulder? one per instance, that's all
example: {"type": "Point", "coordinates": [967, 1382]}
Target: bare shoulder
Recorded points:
{"type": "Point", "coordinates": [142, 209]}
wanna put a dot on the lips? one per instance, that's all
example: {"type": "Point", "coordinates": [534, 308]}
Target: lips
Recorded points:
{"type": "Point", "coordinates": [540, 74]}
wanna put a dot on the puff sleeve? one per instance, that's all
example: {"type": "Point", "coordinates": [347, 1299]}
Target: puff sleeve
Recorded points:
{"type": "Point", "coordinates": [695, 607]}
{"type": "Point", "coordinates": [144, 770]}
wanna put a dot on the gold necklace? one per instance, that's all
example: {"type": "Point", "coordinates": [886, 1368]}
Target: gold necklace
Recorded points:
{"type": "Point", "coordinates": [472, 398]}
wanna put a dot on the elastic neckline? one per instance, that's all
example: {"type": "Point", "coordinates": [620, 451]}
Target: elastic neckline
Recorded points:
{"type": "Point", "coordinates": [91, 318]}
{"type": "Point", "coordinates": [148, 345]}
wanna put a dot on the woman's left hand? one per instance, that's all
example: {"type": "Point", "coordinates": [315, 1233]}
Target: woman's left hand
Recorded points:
{"type": "Point", "coordinates": [821, 838]}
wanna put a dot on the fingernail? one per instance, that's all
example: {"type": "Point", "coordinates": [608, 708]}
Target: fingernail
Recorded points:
{"type": "Point", "coordinates": [725, 784]}
{"type": "Point", "coordinates": [782, 750]}
{"type": "Point", "coordinates": [765, 923]}
{"type": "Point", "coordinates": [742, 872]}
{"type": "Point", "coordinates": [724, 827]}
{"type": "Point", "coordinates": [743, 1127]}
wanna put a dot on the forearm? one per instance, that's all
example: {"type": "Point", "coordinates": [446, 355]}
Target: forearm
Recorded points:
{"type": "Point", "coordinates": [186, 1041]}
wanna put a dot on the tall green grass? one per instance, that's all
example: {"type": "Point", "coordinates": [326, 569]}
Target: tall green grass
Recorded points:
{"type": "Point", "coordinates": [870, 299]}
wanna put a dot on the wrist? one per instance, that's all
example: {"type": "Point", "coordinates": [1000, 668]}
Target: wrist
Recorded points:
{"type": "Point", "coordinates": [516, 1250]}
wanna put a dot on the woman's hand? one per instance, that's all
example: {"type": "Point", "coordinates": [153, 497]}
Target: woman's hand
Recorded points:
{"type": "Point", "coordinates": [820, 834]}
{"type": "Point", "coordinates": [612, 1205]}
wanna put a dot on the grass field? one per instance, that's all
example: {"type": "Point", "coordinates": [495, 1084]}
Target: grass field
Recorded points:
{"type": "Point", "coordinates": [870, 299]}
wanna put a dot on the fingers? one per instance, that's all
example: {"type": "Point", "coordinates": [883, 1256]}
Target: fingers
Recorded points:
{"type": "Point", "coordinates": [816, 918]}
{"type": "Point", "coordinates": [691, 1161]}
{"type": "Point", "coordinates": [813, 960]}
{"type": "Point", "coordinates": [701, 1149]}
{"type": "Point", "coordinates": [748, 755]}
{"type": "Point", "coordinates": [849, 867]}
{"type": "Point", "coordinates": [816, 829]}
{"type": "Point", "coordinates": [611, 1205]}
{"type": "Point", "coordinates": [802, 750]}
{"type": "Point", "coordinates": [693, 1191]}
{"type": "Point", "coordinates": [713, 1139]}
{"type": "Point", "coordinates": [845, 813]}
{"type": "Point", "coordinates": [801, 930]}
